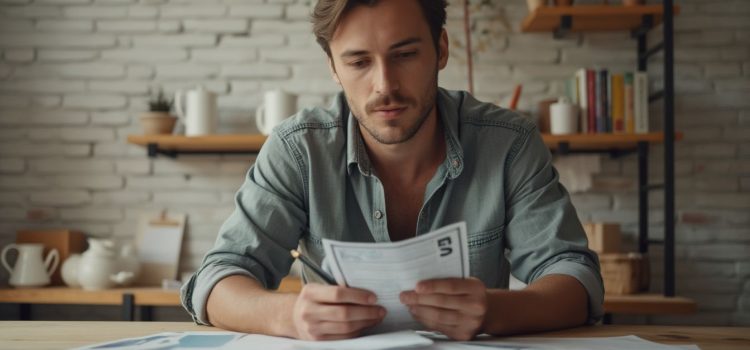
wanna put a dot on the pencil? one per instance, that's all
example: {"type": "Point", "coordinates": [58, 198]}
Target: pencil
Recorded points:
{"type": "Point", "coordinates": [307, 262]}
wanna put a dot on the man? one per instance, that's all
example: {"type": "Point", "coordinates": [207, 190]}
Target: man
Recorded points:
{"type": "Point", "coordinates": [394, 157]}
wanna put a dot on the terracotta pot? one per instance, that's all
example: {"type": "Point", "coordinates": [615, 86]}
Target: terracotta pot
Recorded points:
{"type": "Point", "coordinates": [157, 123]}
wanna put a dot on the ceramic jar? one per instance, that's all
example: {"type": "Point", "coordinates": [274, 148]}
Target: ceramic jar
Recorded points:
{"type": "Point", "coordinates": [99, 267]}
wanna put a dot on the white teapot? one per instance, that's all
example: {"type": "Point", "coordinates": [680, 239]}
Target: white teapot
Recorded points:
{"type": "Point", "coordinates": [99, 267]}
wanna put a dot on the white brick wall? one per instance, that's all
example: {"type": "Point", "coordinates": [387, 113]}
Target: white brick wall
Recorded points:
{"type": "Point", "coordinates": [75, 75]}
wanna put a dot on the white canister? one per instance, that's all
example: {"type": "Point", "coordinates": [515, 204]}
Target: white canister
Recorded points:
{"type": "Point", "coordinates": [563, 117]}
{"type": "Point", "coordinates": [277, 106]}
{"type": "Point", "coordinates": [197, 108]}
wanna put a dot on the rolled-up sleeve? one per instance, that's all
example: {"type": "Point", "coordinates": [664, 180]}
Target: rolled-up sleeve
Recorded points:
{"type": "Point", "coordinates": [543, 233]}
{"type": "Point", "coordinates": [267, 222]}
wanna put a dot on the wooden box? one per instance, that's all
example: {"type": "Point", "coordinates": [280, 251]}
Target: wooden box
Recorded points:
{"type": "Point", "coordinates": [624, 273]}
{"type": "Point", "coordinates": [604, 238]}
{"type": "Point", "coordinates": [67, 242]}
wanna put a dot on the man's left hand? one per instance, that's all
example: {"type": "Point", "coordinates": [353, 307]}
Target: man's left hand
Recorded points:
{"type": "Point", "coordinates": [453, 306]}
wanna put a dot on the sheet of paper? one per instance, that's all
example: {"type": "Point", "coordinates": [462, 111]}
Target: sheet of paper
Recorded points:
{"type": "Point", "coordinates": [630, 342]}
{"type": "Point", "coordinates": [240, 341]}
{"type": "Point", "coordinates": [395, 340]}
{"type": "Point", "coordinates": [383, 341]}
{"type": "Point", "coordinates": [171, 341]}
{"type": "Point", "coordinates": [387, 269]}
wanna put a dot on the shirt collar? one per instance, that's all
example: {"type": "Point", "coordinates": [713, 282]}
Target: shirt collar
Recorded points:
{"type": "Point", "coordinates": [448, 114]}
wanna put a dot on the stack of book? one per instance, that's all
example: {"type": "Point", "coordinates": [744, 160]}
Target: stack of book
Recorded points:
{"type": "Point", "coordinates": [610, 102]}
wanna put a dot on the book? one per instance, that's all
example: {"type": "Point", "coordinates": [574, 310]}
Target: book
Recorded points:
{"type": "Point", "coordinates": [618, 103]}
{"type": "Point", "coordinates": [591, 98]}
{"type": "Point", "coordinates": [602, 106]}
{"type": "Point", "coordinates": [581, 100]}
{"type": "Point", "coordinates": [629, 103]}
{"type": "Point", "coordinates": [640, 102]}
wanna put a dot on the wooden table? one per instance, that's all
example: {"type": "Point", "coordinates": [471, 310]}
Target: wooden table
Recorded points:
{"type": "Point", "coordinates": [146, 298]}
{"type": "Point", "coordinates": [33, 335]}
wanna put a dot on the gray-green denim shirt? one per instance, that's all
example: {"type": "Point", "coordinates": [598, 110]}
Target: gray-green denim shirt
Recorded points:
{"type": "Point", "coordinates": [313, 179]}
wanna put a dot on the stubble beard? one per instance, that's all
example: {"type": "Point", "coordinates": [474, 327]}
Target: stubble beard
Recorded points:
{"type": "Point", "coordinates": [429, 97]}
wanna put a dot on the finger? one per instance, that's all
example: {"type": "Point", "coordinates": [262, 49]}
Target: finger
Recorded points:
{"type": "Point", "coordinates": [462, 303]}
{"type": "Point", "coordinates": [343, 328]}
{"type": "Point", "coordinates": [453, 286]}
{"type": "Point", "coordinates": [338, 294]}
{"type": "Point", "coordinates": [434, 316]}
{"type": "Point", "coordinates": [348, 312]}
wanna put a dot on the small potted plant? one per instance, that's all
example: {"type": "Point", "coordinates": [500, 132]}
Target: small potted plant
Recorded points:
{"type": "Point", "coordinates": [158, 120]}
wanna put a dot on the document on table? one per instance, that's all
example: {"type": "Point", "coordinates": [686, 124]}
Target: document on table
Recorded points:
{"type": "Point", "coordinates": [240, 341]}
{"type": "Point", "coordinates": [630, 342]}
{"type": "Point", "coordinates": [387, 269]}
{"type": "Point", "coordinates": [383, 341]}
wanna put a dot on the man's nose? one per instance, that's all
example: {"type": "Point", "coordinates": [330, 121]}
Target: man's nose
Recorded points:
{"type": "Point", "coordinates": [386, 80]}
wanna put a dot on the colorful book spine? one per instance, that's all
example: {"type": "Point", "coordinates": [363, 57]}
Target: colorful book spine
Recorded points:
{"type": "Point", "coordinates": [618, 103]}
{"type": "Point", "coordinates": [629, 103]}
{"type": "Point", "coordinates": [640, 92]}
{"type": "Point", "coordinates": [591, 97]}
{"type": "Point", "coordinates": [601, 97]}
{"type": "Point", "coordinates": [581, 100]}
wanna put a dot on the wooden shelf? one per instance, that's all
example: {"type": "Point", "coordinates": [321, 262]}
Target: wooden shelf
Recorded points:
{"type": "Point", "coordinates": [153, 296]}
{"type": "Point", "coordinates": [647, 304]}
{"type": "Point", "coordinates": [211, 143]}
{"type": "Point", "coordinates": [604, 142]}
{"type": "Point", "coordinates": [142, 296]}
{"type": "Point", "coordinates": [591, 18]}
{"type": "Point", "coordinates": [175, 144]}
{"type": "Point", "coordinates": [636, 304]}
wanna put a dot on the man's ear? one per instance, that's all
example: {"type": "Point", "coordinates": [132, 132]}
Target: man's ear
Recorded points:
{"type": "Point", "coordinates": [443, 46]}
{"type": "Point", "coordinates": [334, 75]}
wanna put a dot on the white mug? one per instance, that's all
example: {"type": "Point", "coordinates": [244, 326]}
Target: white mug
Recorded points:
{"type": "Point", "coordinates": [199, 112]}
{"type": "Point", "coordinates": [277, 106]}
{"type": "Point", "coordinates": [30, 270]}
{"type": "Point", "coordinates": [563, 117]}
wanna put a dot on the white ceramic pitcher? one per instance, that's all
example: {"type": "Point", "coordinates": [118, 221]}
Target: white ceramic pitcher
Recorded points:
{"type": "Point", "coordinates": [197, 109]}
{"type": "Point", "coordinates": [30, 270]}
{"type": "Point", "coordinates": [277, 105]}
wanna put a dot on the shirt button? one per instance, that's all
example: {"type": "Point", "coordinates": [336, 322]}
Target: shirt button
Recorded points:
{"type": "Point", "coordinates": [378, 214]}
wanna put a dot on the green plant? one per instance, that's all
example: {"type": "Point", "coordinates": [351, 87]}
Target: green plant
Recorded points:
{"type": "Point", "coordinates": [160, 103]}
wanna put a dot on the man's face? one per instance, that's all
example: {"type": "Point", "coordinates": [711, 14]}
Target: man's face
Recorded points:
{"type": "Point", "coordinates": [385, 60]}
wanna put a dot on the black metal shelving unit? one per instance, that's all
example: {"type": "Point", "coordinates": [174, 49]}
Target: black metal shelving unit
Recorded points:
{"type": "Point", "coordinates": [667, 96]}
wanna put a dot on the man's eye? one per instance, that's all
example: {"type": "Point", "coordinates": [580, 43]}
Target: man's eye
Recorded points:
{"type": "Point", "coordinates": [406, 54]}
{"type": "Point", "coordinates": [358, 64]}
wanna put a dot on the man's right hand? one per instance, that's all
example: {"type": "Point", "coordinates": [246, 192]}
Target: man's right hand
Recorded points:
{"type": "Point", "coordinates": [324, 312]}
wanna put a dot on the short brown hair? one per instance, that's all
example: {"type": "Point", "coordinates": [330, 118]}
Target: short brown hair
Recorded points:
{"type": "Point", "coordinates": [328, 13]}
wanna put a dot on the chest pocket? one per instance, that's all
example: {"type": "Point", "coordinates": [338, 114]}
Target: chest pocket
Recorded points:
{"type": "Point", "coordinates": [486, 257]}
